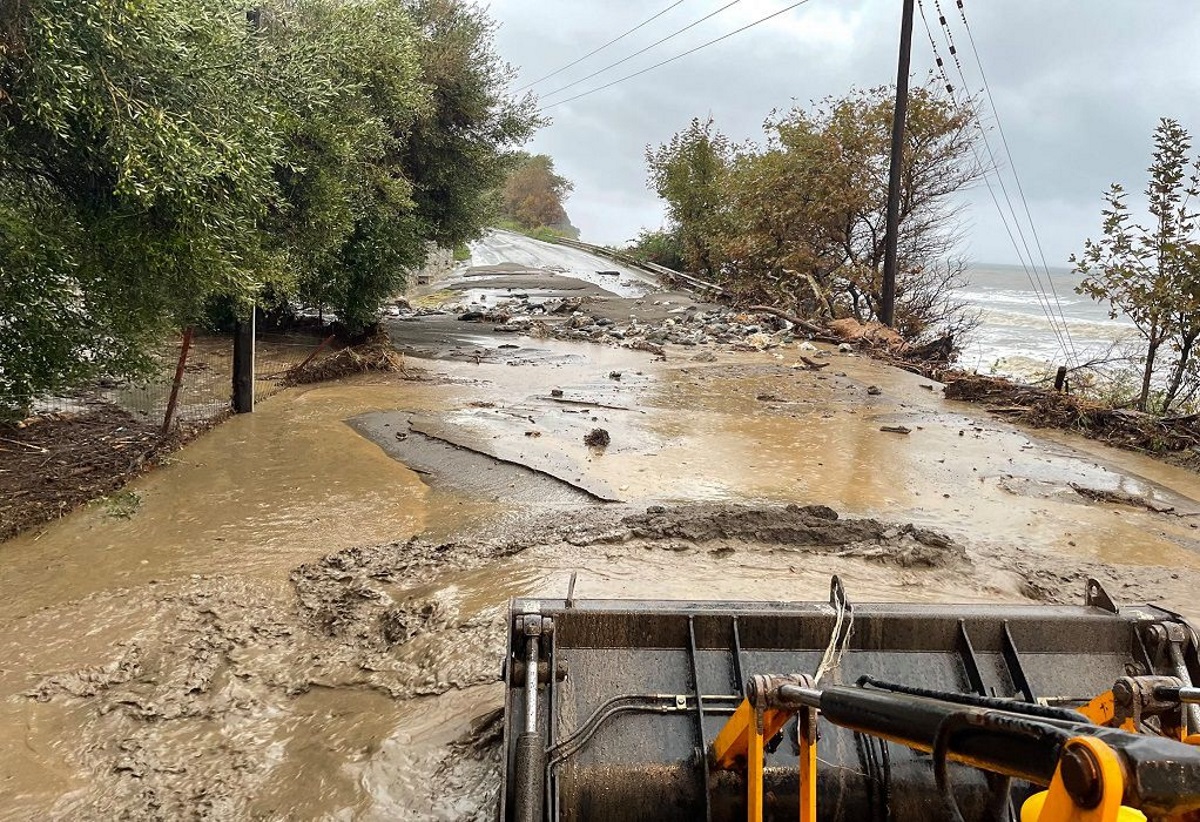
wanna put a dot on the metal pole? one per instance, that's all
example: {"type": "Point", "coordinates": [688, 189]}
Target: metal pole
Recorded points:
{"type": "Point", "coordinates": [887, 309]}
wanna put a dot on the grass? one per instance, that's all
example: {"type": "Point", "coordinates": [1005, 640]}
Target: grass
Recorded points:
{"type": "Point", "coordinates": [121, 505]}
{"type": "Point", "coordinates": [543, 233]}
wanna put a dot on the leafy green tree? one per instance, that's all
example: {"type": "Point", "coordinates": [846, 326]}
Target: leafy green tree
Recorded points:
{"type": "Point", "coordinates": [136, 157]}
{"type": "Point", "coordinates": [1149, 273]}
{"type": "Point", "coordinates": [162, 155]}
{"type": "Point", "coordinates": [350, 226]}
{"type": "Point", "coordinates": [661, 247]}
{"type": "Point", "coordinates": [456, 155]}
{"type": "Point", "coordinates": [801, 220]}
{"type": "Point", "coordinates": [689, 174]}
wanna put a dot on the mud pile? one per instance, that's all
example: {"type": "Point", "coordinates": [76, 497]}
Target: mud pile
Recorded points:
{"type": "Point", "coordinates": [813, 529]}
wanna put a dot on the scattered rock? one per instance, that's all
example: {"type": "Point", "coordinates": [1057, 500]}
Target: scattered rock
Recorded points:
{"type": "Point", "coordinates": [874, 390]}
{"type": "Point", "coordinates": [597, 438]}
{"type": "Point", "coordinates": [895, 429]}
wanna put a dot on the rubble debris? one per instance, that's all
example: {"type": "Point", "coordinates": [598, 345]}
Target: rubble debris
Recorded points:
{"type": "Point", "coordinates": [872, 333]}
{"type": "Point", "coordinates": [1175, 438]}
{"type": "Point", "coordinates": [597, 438]}
{"type": "Point", "coordinates": [376, 354]}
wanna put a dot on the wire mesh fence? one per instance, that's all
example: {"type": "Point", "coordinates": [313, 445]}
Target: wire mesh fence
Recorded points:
{"type": "Point", "coordinates": [275, 355]}
{"type": "Point", "coordinates": [204, 386]}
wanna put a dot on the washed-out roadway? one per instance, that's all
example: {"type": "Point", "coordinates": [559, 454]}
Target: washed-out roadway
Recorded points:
{"type": "Point", "coordinates": [304, 616]}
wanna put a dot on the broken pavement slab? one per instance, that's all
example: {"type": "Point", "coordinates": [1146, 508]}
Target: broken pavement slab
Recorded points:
{"type": "Point", "coordinates": [545, 459]}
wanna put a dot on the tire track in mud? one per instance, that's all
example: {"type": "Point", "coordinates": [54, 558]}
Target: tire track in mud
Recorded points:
{"type": "Point", "coordinates": [189, 717]}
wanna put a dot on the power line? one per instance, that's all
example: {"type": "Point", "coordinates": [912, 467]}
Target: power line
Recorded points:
{"type": "Point", "coordinates": [679, 56]}
{"type": "Point", "coordinates": [1038, 287]}
{"type": "Point", "coordinates": [671, 36]}
{"type": "Point", "coordinates": [596, 51]}
{"type": "Point", "coordinates": [1038, 291]}
{"type": "Point", "coordinates": [1057, 326]}
{"type": "Point", "coordinates": [1012, 166]}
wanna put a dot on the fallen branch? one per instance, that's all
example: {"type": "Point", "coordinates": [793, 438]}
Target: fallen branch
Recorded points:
{"type": "Point", "coordinates": [810, 327]}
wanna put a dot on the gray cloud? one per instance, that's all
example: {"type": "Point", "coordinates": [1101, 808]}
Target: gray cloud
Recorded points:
{"type": "Point", "coordinates": [1078, 87]}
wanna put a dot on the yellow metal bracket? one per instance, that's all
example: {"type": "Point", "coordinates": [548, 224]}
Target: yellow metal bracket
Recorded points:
{"type": "Point", "coordinates": [807, 719]}
{"type": "Point", "coordinates": [742, 742]}
{"type": "Point", "coordinates": [1090, 762]}
{"type": "Point", "coordinates": [1103, 711]}
{"type": "Point", "coordinates": [730, 750]}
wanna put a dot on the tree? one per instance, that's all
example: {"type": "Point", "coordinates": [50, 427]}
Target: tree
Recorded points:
{"type": "Point", "coordinates": [534, 194]}
{"type": "Point", "coordinates": [844, 147]}
{"type": "Point", "coordinates": [801, 220]}
{"type": "Point", "coordinates": [136, 158]}
{"type": "Point", "coordinates": [661, 247]}
{"type": "Point", "coordinates": [407, 151]}
{"type": "Point", "coordinates": [159, 156]}
{"type": "Point", "coordinates": [1149, 273]}
{"type": "Point", "coordinates": [351, 227]}
{"type": "Point", "coordinates": [688, 172]}
{"type": "Point", "coordinates": [456, 155]}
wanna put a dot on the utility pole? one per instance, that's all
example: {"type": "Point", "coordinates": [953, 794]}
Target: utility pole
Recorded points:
{"type": "Point", "coordinates": [887, 310]}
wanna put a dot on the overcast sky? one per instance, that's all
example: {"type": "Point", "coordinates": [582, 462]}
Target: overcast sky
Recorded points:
{"type": "Point", "coordinates": [1078, 86]}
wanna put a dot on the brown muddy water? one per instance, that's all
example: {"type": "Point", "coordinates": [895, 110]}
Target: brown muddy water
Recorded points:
{"type": "Point", "coordinates": [292, 622]}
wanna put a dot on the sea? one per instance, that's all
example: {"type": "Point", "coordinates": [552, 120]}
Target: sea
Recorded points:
{"type": "Point", "coordinates": [1015, 337]}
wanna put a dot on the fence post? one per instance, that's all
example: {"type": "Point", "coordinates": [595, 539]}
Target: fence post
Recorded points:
{"type": "Point", "coordinates": [316, 353]}
{"type": "Point", "coordinates": [1060, 379]}
{"type": "Point", "coordinates": [243, 365]}
{"type": "Point", "coordinates": [175, 386]}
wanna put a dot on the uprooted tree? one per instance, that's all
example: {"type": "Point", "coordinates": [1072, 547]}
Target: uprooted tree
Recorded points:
{"type": "Point", "coordinates": [799, 222]}
{"type": "Point", "coordinates": [157, 156]}
{"type": "Point", "coordinates": [1151, 274]}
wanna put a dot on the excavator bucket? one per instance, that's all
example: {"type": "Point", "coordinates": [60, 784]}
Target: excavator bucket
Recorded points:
{"type": "Point", "coordinates": [647, 710]}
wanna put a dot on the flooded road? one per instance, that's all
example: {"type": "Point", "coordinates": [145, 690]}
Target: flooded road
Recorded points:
{"type": "Point", "coordinates": [302, 615]}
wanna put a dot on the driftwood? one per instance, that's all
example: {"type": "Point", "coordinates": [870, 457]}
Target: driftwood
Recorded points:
{"type": "Point", "coordinates": [812, 328]}
{"type": "Point", "coordinates": [587, 404]}
{"type": "Point", "coordinates": [812, 365]}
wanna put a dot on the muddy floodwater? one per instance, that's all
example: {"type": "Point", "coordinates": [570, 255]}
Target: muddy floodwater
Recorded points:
{"type": "Point", "coordinates": [303, 614]}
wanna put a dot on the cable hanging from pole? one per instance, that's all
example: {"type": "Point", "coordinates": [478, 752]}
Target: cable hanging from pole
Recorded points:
{"type": "Point", "coordinates": [1038, 289]}
{"type": "Point", "coordinates": [640, 52]}
{"type": "Point", "coordinates": [596, 51]}
{"type": "Point", "coordinates": [680, 56]}
{"type": "Point", "coordinates": [1053, 291]}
